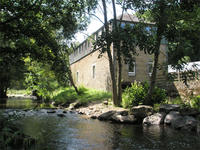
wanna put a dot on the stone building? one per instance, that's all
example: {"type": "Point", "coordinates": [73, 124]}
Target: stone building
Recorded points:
{"type": "Point", "coordinates": [93, 72]}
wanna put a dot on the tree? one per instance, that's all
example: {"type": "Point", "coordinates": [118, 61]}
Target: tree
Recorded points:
{"type": "Point", "coordinates": [122, 42]}
{"type": "Point", "coordinates": [106, 48]}
{"type": "Point", "coordinates": [157, 12]}
{"type": "Point", "coordinates": [174, 20]}
{"type": "Point", "coordinates": [32, 28]}
{"type": "Point", "coordinates": [183, 33]}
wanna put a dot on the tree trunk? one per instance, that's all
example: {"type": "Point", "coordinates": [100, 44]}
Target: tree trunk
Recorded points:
{"type": "Point", "coordinates": [119, 80]}
{"type": "Point", "coordinates": [3, 92]}
{"type": "Point", "coordinates": [153, 78]}
{"type": "Point", "coordinates": [116, 45]}
{"type": "Point", "coordinates": [108, 50]}
{"type": "Point", "coordinates": [69, 72]}
{"type": "Point", "coordinates": [160, 31]}
{"type": "Point", "coordinates": [72, 81]}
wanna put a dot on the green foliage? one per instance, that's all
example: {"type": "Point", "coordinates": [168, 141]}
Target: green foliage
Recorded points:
{"type": "Point", "coordinates": [195, 102]}
{"type": "Point", "coordinates": [11, 135]}
{"type": "Point", "coordinates": [19, 92]}
{"type": "Point", "coordinates": [136, 94]}
{"type": "Point", "coordinates": [191, 103]}
{"type": "Point", "coordinates": [156, 107]}
{"type": "Point", "coordinates": [68, 95]}
{"type": "Point", "coordinates": [178, 101]}
{"type": "Point", "coordinates": [133, 95]}
{"type": "Point", "coordinates": [40, 78]}
{"type": "Point", "coordinates": [37, 29]}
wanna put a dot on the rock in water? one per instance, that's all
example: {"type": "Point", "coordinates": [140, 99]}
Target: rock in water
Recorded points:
{"type": "Point", "coordinates": [198, 128]}
{"type": "Point", "coordinates": [106, 115]}
{"type": "Point", "coordinates": [117, 117]}
{"type": "Point", "coordinates": [155, 119]}
{"type": "Point", "coordinates": [141, 111]}
{"type": "Point", "coordinates": [75, 105]}
{"type": "Point", "coordinates": [166, 108]}
{"type": "Point", "coordinates": [51, 111]}
{"type": "Point", "coordinates": [171, 117]}
{"type": "Point", "coordinates": [60, 115]}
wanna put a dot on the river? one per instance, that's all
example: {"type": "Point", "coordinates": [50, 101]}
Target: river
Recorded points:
{"type": "Point", "coordinates": [74, 132]}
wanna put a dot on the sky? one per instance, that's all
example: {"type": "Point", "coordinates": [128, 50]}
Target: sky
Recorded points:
{"type": "Point", "coordinates": [96, 23]}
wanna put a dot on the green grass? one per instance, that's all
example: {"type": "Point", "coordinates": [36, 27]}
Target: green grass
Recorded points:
{"type": "Point", "coordinates": [68, 95]}
{"type": "Point", "coordinates": [16, 92]}
{"type": "Point", "coordinates": [191, 103]}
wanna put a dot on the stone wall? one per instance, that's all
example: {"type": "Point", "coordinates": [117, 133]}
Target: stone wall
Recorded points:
{"type": "Point", "coordinates": [178, 88]}
{"type": "Point", "coordinates": [84, 67]}
{"type": "Point", "coordinates": [82, 70]}
{"type": "Point", "coordinates": [141, 70]}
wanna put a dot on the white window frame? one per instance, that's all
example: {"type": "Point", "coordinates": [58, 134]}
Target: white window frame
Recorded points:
{"type": "Point", "coordinates": [133, 72]}
{"type": "Point", "coordinates": [93, 71]}
{"type": "Point", "coordinates": [150, 63]}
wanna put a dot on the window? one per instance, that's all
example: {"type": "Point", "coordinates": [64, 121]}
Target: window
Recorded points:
{"type": "Point", "coordinates": [131, 68]}
{"type": "Point", "coordinates": [123, 25]}
{"type": "Point", "coordinates": [77, 76]}
{"type": "Point", "coordinates": [85, 45]}
{"type": "Point", "coordinates": [93, 71]}
{"type": "Point", "coordinates": [80, 49]}
{"type": "Point", "coordinates": [150, 68]}
{"type": "Point", "coordinates": [97, 35]}
{"type": "Point", "coordinates": [88, 42]}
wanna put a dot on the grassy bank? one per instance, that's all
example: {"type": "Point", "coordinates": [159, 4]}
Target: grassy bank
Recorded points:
{"type": "Point", "coordinates": [68, 95]}
{"type": "Point", "coordinates": [19, 92]}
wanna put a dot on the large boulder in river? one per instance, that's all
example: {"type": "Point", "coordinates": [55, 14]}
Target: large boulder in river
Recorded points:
{"type": "Point", "coordinates": [198, 128]}
{"type": "Point", "coordinates": [190, 123]}
{"type": "Point", "coordinates": [141, 111]}
{"type": "Point", "coordinates": [154, 119]}
{"type": "Point", "coordinates": [181, 122]}
{"type": "Point", "coordinates": [171, 117]}
{"type": "Point", "coordinates": [169, 107]}
{"type": "Point", "coordinates": [106, 116]}
{"type": "Point", "coordinates": [117, 117]}
{"type": "Point", "coordinates": [186, 123]}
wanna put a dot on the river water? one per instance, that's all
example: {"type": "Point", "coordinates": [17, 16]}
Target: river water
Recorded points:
{"type": "Point", "coordinates": [74, 132]}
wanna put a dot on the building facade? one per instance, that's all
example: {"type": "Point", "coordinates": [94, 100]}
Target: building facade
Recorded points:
{"type": "Point", "coordinates": [93, 72]}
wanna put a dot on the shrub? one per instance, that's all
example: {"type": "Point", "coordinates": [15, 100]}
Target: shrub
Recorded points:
{"type": "Point", "coordinates": [11, 135]}
{"type": "Point", "coordinates": [133, 95]}
{"type": "Point", "coordinates": [195, 102]}
{"type": "Point", "coordinates": [136, 94]}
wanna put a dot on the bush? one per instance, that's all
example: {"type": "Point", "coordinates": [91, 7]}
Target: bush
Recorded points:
{"type": "Point", "coordinates": [11, 135]}
{"type": "Point", "coordinates": [195, 102]}
{"type": "Point", "coordinates": [133, 95]}
{"type": "Point", "coordinates": [136, 94]}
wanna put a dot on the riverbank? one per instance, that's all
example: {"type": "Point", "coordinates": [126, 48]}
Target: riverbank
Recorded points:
{"type": "Point", "coordinates": [73, 131]}
{"type": "Point", "coordinates": [168, 115]}
{"type": "Point", "coordinates": [21, 96]}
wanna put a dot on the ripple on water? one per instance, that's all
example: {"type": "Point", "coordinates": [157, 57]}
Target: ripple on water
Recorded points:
{"type": "Point", "coordinates": [73, 132]}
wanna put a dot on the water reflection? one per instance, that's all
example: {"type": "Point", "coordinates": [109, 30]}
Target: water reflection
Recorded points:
{"type": "Point", "coordinates": [3, 102]}
{"type": "Point", "coordinates": [76, 133]}
{"type": "Point", "coordinates": [17, 103]}
{"type": "Point", "coordinates": [73, 132]}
